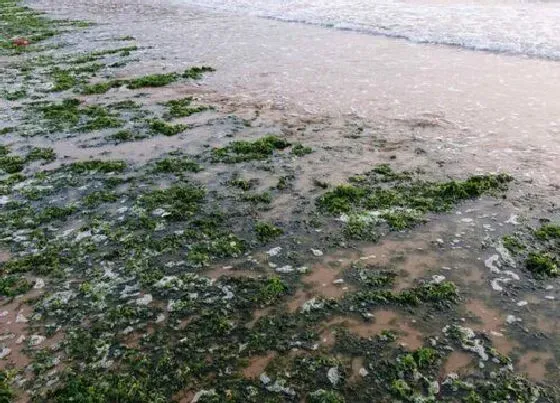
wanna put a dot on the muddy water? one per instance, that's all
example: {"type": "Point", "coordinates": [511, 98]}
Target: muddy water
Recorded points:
{"type": "Point", "coordinates": [408, 336]}
{"type": "Point", "coordinates": [487, 111]}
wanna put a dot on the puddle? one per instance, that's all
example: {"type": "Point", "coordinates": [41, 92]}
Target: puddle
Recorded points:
{"type": "Point", "coordinates": [491, 322]}
{"type": "Point", "coordinates": [295, 303]}
{"type": "Point", "coordinates": [356, 365]}
{"type": "Point", "coordinates": [229, 271]}
{"type": "Point", "coordinates": [257, 365]}
{"type": "Point", "coordinates": [533, 363]}
{"type": "Point", "coordinates": [322, 281]}
{"type": "Point", "coordinates": [457, 362]}
{"type": "Point", "coordinates": [408, 336]}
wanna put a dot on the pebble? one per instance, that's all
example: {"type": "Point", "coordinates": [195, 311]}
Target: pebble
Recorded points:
{"type": "Point", "coordinates": [333, 375]}
{"type": "Point", "coordinates": [274, 251]}
{"type": "Point", "coordinates": [512, 319]}
{"type": "Point", "coordinates": [317, 252]}
{"type": "Point", "coordinates": [4, 353]}
{"type": "Point", "coordinates": [20, 318]}
{"type": "Point", "coordinates": [437, 279]}
{"type": "Point", "coordinates": [285, 269]}
{"type": "Point", "coordinates": [36, 339]}
{"type": "Point", "coordinates": [145, 300]}
{"type": "Point", "coordinates": [513, 219]}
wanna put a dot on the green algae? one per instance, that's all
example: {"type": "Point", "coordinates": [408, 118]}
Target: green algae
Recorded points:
{"type": "Point", "coordinates": [242, 184]}
{"type": "Point", "coordinates": [542, 264]}
{"type": "Point", "coordinates": [100, 196]}
{"type": "Point", "coordinates": [152, 80]}
{"type": "Point", "coordinates": [267, 231]}
{"type": "Point", "coordinates": [359, 229]}
{"type": "Point", "coordinates": [63, 80]}
{"type": "Point", "coordinates": [97, 166]}
{"type": "Point", "coordinates": [179, 201]}
{"type": "Point", "coordinates": [45, 154]}
{"type": "Point", "coordinates": [71, 115]}
{"type": "Point", "coordinates": [538, 250]}
{"type": "Point", "coordinates": [176, 165]}
{"type": "Point", "coordinates": [23, 22]}
{"type": "Point", "coordinates": [513, 244]}
{"type": "Point", "coordinates": [180, 108]}
{"type": "Point", "coordinates": [11, 164]}
{"type": "Point", "coordinates": [15, 95]}
{"type": "Point", "coordinates": [12, 285]}
{"type": "Point", "coordinates": [158, 126]}
{"type": "Point", "coordinates": [6, 391]}
{"type": "Point", "coordinates": [196, 73]}
{"type": "Point", "coordinates": [61, 115]}
{"type": "Point", "coordinates": [400, 200]}
{"type": "Point", "coordinates": [299, 150]}
{"type": "Point", "coordinates": [444, 293]}
{"type": "Point", "coordinates": [418, 195]}
{"type": "Point", "coordinates": [99, 88]}
{"type": "Point", "coordinates": [257, 198]}
{"type": "Point", "coordinates": [149, 81]}
{"type": "Point", "coordinates": [122, 135]}
{"type": "Point", "coordinates": [284, 182]}
{"type": "Point", "coordinates": [548, 232]}
{"type": "Point", "coordinates": [242, 151]}
{"type": "Point", "coordinates": [6, 130]}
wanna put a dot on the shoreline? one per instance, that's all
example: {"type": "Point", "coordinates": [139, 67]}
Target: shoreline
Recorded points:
{"type": "Point", "coordinates": [166, 238]}
{"type": "Point", "coordinates": [495, 112]}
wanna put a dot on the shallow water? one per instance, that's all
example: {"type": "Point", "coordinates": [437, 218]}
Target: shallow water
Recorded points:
{"type": "Point", "coordinates": [529, 28]}
{"type": "Point", "coordinates": [474, 111]}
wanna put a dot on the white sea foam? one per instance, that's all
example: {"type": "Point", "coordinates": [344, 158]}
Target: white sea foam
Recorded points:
{"type": "Point", "coordinates": [529, 28]}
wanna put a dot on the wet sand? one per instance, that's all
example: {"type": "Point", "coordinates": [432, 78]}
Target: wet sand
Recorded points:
{"type": "Point", "coordinates": [360, 100]}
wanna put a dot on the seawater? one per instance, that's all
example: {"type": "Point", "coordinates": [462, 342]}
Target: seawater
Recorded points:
{"type": "Point", "coordinates": [519, 27]}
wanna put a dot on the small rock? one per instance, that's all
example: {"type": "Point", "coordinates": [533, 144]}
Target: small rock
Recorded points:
{"type": "Point", "coordinates": [145, 300]}
{"type": "Point", "coordinates": [36, 339]}
{"type": "Point", "coordinates": [264, 378]}
{"type": "Point", "coordinates": [513, 219]}
{"type": "Point", "coordinates": [285, 269]}
{"type": "Point", "coordinates": [317, 252]}
{"type": "Point", "coordinates": [20, 318]}
{"type": "Point", "coordinates": [274, 251]}
{"type": "Point", "coordinates": [512, 319]}
{"type": "Point", "coordinates": [437, 279]}
{"type": "Point", "coordinates": [333, 375]}
{"type": "Point", "coordinates": [4, 353]}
